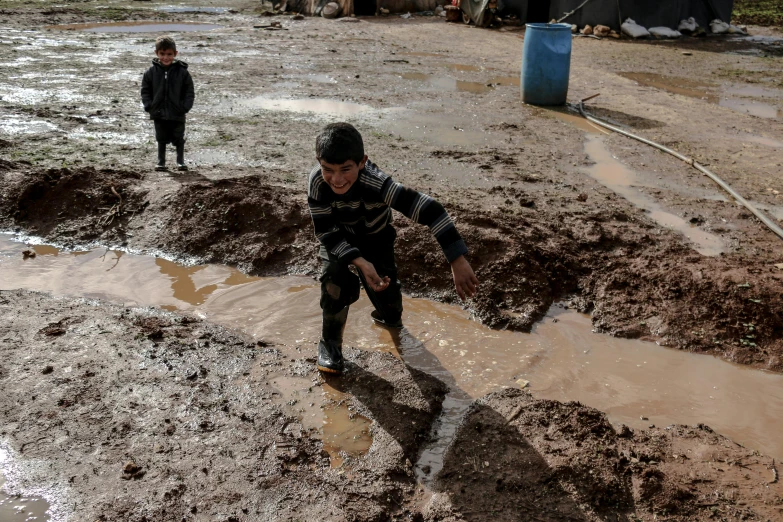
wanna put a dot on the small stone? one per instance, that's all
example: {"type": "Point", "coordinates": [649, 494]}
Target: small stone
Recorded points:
{"type": "Point", "coordinates": [486, 464]}
{"type": "Point", "coordinates": [779, 266]}
{"type": "Point", "coordinates": [574, 28]}
{"type": "Point", "coordinates": [581, 197]}
{"type": "Point", "coordinates": [644, 418]}
{"type": "Point", "coordinates": [523, 383]}
{"type": "Point", "coordinates": [602, 30]}
{"type": "Point", "coordinates": [687, 53]}
{"type": "Point", "coordinates": [426, 469]}
{"type": "Point", "coordinates": [28, 254]}
{"type": "Point", "coordinates": [587, 30]}
{"type": "Point", "coordinates": [331, 10]}
{"type": "Point", "coordinates": [47, 369]}
{"type": "Point", "coordinates": [130, 468]}
{"type": "Point", "coordinates": [383, 11]}
{"type": "Point", "coordinates": [297, 17]}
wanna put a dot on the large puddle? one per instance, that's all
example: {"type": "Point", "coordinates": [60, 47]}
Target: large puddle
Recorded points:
{"type": "Point", "coordinates": [741, 99]}
{"type": "Point", "coordinates": [614, 175]}
{"type": "Point", "coordinates": [136, 27]}
{"type": "Point", "coordinates": [637, 383]}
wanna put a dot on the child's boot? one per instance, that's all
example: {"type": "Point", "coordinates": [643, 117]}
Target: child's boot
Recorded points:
{"type": "Point", "coordinates": [330, 348]}
{"type": "Point", "coordinates": [161, 157]}
{"type": "Point", "coordinates": [181, 156]}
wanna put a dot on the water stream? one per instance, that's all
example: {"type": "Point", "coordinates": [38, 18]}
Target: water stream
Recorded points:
{"type": "Point", "coordinates": [637, 383]}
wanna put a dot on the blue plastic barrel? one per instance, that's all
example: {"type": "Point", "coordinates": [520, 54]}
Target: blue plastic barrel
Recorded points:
{"type": "Point", "coordinates": [546, 64]}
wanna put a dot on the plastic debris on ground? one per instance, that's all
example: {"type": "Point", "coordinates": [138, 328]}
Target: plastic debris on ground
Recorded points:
{"type": "Point", "coordinates": [634, 30]}
{"type": "Point", "coordinates": [664, 32]}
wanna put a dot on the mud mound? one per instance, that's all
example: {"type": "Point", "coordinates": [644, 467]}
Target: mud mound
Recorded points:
{"type": "Point", "coordinates": [184, 423]}
{"type": "Point", "coordinates": [635, 279]}
{"type": "Point", "coordinates": [57, 202]}
{"type": "Point", "coordinates": [244, 222]}
{"type": "Point", "coordinates": [517, 458]}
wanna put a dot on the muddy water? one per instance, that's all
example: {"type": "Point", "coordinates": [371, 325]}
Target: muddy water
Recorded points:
{"type": "Point", "coordinates": [735, 98]}
{"type": "Point", "coordinates": [318, 106]}
{"type": "Point", "coordinates": [136, 27]}
{"type": "Point", "coordinates": [14, 508]}
{"type": "Point", "coordinates": [625, 182]}
{"type": "Point", "coordinates": [445, 83]}
{"type": "Point", "coordinates": [562, 359]}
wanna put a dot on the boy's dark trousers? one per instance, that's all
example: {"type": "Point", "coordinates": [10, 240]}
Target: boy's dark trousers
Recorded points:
{"type": "Point", "coordinates": [170, 131]}
{"type": "Point", "coordinates": [340, 287]}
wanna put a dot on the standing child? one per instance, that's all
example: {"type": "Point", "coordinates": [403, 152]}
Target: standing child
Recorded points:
{"type": "Point", "coordinates": [350, 203]}
{"type": "Point", "coordinates": [167, 94]}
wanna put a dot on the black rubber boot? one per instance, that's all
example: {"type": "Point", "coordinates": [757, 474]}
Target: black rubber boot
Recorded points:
{"type": "Point", "coordinates": [181, 156]}
{"type": "Point", "coordinates": [379, 320]}
{"type": "Point", "coordinates": [161, 157]}
{"type": "Point", "coordinates": [330, 348]}
{"type": "Point", "coordinates": [330, 357]}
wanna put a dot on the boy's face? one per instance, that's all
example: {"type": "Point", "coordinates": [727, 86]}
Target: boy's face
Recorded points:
{"type": "Point", "coordinates": [341, 177]}
{"type": "Point", "coordinates": [166, 56]}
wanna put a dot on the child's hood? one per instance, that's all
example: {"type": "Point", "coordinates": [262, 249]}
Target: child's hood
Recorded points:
{"type": "Point", "coordinates": [175, 63]}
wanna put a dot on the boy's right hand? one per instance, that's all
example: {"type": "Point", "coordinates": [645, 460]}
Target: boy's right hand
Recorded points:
{"type": "Point", "coordinates": [376, 282]}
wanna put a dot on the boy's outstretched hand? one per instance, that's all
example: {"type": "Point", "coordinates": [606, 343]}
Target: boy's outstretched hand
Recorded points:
{"type": "Point", "coordinates": [376, 282]}
{"type": "Point", "coordinates": [465, 281]}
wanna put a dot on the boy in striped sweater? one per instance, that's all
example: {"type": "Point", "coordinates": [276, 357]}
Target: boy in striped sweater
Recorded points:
{"type": "Point", "coordinates": [350, 202]}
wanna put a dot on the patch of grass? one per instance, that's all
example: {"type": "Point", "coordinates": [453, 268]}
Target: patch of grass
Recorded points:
{"type": "Point", "coordinates": [758, 12]}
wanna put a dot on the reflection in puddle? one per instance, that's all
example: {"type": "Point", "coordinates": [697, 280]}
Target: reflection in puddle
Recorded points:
{"type": "Point", "coordinates": [563, 360]}
{"type": "Point", "coordinates": [622, 180]}
{"type": "Point", "coordinates": [444, 83]}
{"type": "Point", "coordinates": [135, 27]}
{"type": "Point", "coordinates": [319, 106]}
{"type": "Point", "coordinates": [705, 91]}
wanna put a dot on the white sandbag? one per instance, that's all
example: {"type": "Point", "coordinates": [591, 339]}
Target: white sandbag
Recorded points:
{"type": "Point", "coordinates": [688, 26]}
{"type": "Point", "coordinates": [331, 10]}
{"type": "Point", "coordinates": [664, 32]}
{"type": "Point", "coordinates": [633, 29]}
{"type": "Point", "coordinates": [719, 27]}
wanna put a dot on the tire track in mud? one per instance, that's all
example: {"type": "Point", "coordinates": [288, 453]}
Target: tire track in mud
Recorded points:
{"type": "Point", "coordinates": [637, 280]}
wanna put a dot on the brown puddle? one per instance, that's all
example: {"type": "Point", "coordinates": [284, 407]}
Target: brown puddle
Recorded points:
{"type": "Point", "coordinates": [444, 83]}
{"type": "Point", "coordinates": [562, 360]}
{"type": "Point", "coordinates": [136, 27]}
{"type": "Point", "coordinates": [735, 98]}
{"type": "Point", "coordinates": [683, 86]}
{"type": "Point", "coordinates": [14, 508]}
{"type": "Point", "coordinates": [762, 140]}
{"type": "Point", "coordinates": [625, 182]}
{"type": "Point", "coordinates": [577, 121]}
{"type": "Point", "coordinates": [318, 106]}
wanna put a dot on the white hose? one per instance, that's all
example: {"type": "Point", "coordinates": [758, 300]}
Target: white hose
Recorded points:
{"type": "Point", "coordinates": [725, 186]}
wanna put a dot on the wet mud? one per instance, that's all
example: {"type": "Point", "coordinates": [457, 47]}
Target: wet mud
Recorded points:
{"type": "Point", "coordinates": [525, 191]}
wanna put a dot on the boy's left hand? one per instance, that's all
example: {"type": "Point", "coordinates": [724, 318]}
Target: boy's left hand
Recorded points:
{"type": "Point", "coordinates": [465, 281]}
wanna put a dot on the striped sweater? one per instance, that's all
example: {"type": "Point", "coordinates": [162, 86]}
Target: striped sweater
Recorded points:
{"type": "Point", "coordinates": [366, 210]}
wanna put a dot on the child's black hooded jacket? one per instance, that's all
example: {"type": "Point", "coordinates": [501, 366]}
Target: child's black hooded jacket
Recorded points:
{"type": "Point", "coordinates": [167, 93]}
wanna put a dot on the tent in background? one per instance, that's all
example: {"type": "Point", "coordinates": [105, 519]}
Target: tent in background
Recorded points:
{"type": "Point", "coordinates": [647, 13]}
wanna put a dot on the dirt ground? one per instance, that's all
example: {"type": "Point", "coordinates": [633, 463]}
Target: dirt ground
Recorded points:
{"type": "Point", "coordinates": [439, 110]}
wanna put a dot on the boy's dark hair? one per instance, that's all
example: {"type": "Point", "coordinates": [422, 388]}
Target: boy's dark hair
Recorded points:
{"type": "Point", "coordinates": [338, 143]}
{"type": "Point", "coordinates": [165, 43]}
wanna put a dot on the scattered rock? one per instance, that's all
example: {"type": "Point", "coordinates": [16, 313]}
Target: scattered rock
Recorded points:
{"type": "Point", "coordinates": [47, 369]}
{"type": "Point", "coordinates": [581, 197]}
{"type": "Point", "coordinates": [587, 30]}
{"type": "Point", "coordinates": [574, 28]}
{"type": "Point", "coordinates": [298, 17]}
{"type": "Point", "coordinates": [523, 383]}
{"type": "Point", "coordinates": [602, 30]}
{"type": "Point", "coordinates": [28, 254]}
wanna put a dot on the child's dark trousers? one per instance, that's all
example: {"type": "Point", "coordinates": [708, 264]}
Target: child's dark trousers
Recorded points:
{"type": "Point", "coordinates": [340, 286]}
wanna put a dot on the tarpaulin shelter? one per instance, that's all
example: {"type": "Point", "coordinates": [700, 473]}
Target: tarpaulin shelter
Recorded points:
{"type": "Point", "coordinates": [647, 13]}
